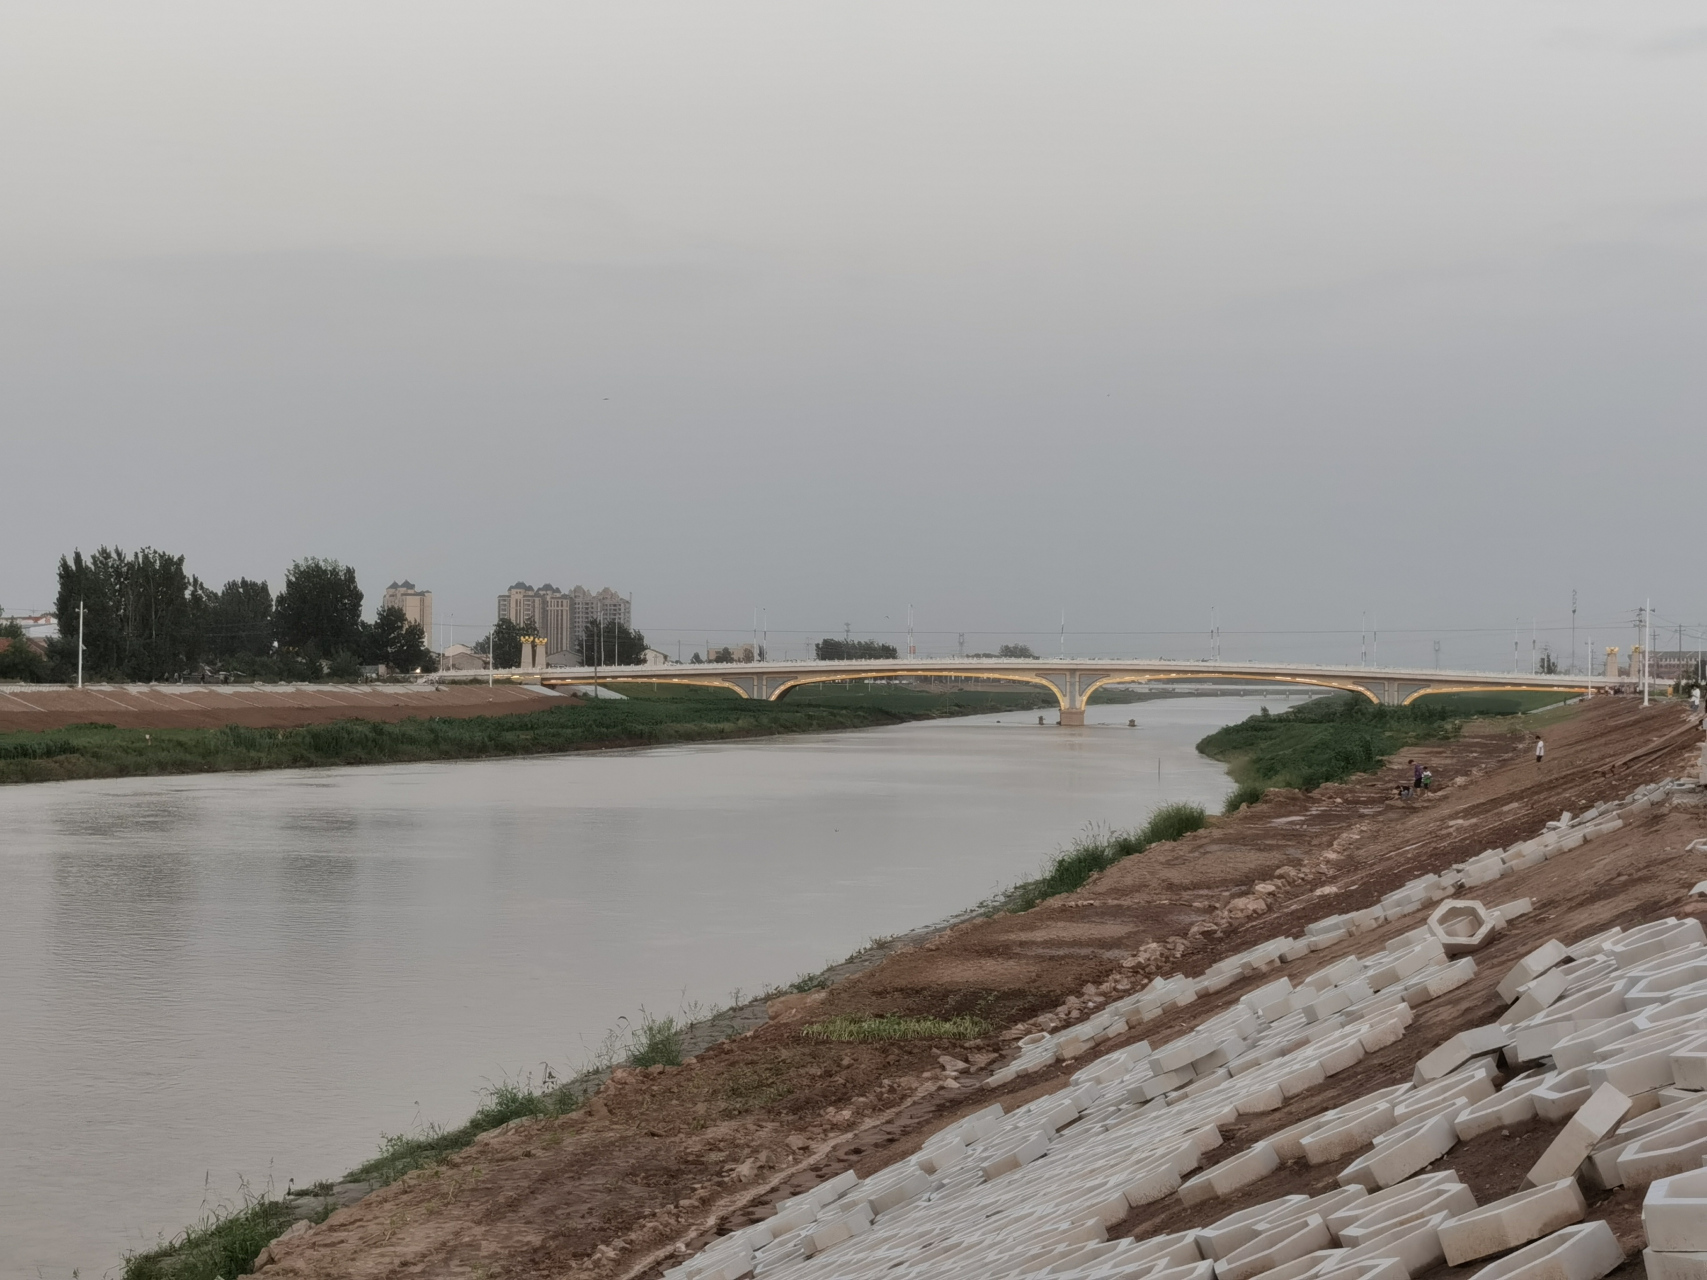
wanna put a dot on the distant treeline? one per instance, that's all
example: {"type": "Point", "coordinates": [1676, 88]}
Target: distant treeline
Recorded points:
{"type": "Point", "coordinates": [849, 650]}
{"type": "Point", "coordinates": [143, 617]}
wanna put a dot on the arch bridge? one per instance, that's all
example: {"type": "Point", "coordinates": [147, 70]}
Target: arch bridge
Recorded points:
{"type": "Point", "coordinates": [1070, 680]}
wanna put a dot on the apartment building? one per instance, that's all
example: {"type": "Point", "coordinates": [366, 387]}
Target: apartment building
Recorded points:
{"type": "Point", "coordinates": [417, 605]}
{"type": "Point", "coordinates": [562, 616]}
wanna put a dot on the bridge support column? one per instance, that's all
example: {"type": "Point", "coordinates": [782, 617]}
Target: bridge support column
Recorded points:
{"type": "Point", "coordinates": [1073, 719]}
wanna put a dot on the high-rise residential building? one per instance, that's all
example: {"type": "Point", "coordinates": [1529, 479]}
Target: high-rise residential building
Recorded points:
{"type": "Point", "coordinates": [417, 605]}
{"type": "Point", "coordinates": [562, 616]}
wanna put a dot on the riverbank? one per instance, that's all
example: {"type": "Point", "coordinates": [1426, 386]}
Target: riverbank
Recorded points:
{"type": "Point", "coordinates": [675, 1153]}
{"type": "Point", "coordinates": [102, 750]}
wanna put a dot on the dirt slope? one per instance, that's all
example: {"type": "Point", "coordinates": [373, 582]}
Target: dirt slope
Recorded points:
{"type": "Point", "coordinates": [663, 1159]}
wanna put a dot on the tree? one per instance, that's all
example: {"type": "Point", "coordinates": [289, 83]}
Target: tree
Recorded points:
{"type": "Point", "coordinates": [392, 640]}
{"type": "Point", "coordinates": [1548, 665]}
{"type": "Point", "coordinates": [240, 620]}
{"type": "Point", "coordinates": [319, 612]}
{"type": "Point", "coordinates": [610, 644]}
{"type": "Point", "coordinates": [143, 617]}
{"type": "Point", "coordinates": [506, 645]}
{"type": "Point", "coordinates": [1015, 651]}
{"type": "Point", "coordinates": [830, 650]}
{"type": "Point", "coordinates": [19, 659]}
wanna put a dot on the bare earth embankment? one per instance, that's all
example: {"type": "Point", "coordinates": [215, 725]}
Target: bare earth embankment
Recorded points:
{"type": "Point", "coordinates": [663, 1160]}
{"type": "Point", "coordinates": [195, 706]}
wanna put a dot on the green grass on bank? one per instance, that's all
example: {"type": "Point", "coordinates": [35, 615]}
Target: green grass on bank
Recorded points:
{"type": "Point", "coordinates": [101, 751]}
{"type": "Point", "coordinates": [1494, 703]}
{"type": "Point", "coordinates": [849, 1028]}
{"type": "Point", "coordinates": [224, 1243]}
{"type": "Point", "coordinates": [1325, 740]}
{"type": "Point", "coordinates": [1097, 851]}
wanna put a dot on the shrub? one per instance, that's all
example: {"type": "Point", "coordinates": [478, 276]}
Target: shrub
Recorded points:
{"type": "Point", "coordinates": [1243, 794]}
{"type": "Point", "coordinates": [656, 1042]}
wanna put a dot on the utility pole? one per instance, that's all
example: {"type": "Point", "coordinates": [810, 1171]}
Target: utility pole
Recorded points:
{"type": "Point", "coordinates": [960, 645]}
{"type": "Point", "coordinates": [1437, 655]}
{"type": "Point", "coordinates": [79, 644]}
{"type": "Point", "coordinates": [1063, 632]}
{"type": "Point", "coordinates": [1532, 646]}
{"type": "Point", "coordinates": [1514, 622]}
{"type": "Point", "coordinates": [1363, 641]}
{"type": "Point", "coordinates": [1574, 633]}
{"type": "Point", "coordinates": [1647, 646]}
{"type": "Point", "coordinates": [1375, 642]}
{"type": "Point", "coordinates": [912, 651]}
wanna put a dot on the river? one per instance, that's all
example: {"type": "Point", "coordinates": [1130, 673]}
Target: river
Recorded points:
{"type": "Point", "coordinates": [248, 978]}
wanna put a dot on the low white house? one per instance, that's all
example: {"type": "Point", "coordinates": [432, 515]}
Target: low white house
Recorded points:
{"type": "Point", "coordinates": [655, 657]}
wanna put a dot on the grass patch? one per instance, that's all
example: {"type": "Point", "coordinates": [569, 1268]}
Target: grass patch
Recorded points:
{"type": "Point", "coordinates": [223, 1244]}
{"type": "Point", "coordinates": [656, 1042]}
{"type": "Point", "coordinates": [100, 751]}
{"type": "Point", "coordinates": [1324, 740]}
{"type": "Point", "coordinates": [1515, 702]}
{"type": "Point", "coordinates": [848, 1029]}
{"type": "Point", "coordinates": [1243, 794]}
{"type": "Point", "coordinates": [1098, 850]}
{"type": "Point", "coordinates": [510, 1100]}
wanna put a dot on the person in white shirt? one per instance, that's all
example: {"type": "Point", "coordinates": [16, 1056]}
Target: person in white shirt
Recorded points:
{"type": "Point", "coordinates": [1540, 750]}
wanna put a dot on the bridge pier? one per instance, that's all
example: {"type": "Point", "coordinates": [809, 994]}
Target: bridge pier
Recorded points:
{"type": "Point", "coordinates": [1073, 718]}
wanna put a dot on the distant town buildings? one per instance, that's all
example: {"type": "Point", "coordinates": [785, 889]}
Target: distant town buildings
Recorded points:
{"type": "Point", "coordinates": [36, 626]}
{"type": "Point", "coordinates": [417, 605]}
{"type": "Point", "coordinates": [561, 617]}
{"type": "Point", "coordinates": [460, 657]}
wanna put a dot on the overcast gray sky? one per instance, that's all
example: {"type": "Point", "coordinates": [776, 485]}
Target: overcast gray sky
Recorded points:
{"type": "Point", "coordinates": [1132, 310]}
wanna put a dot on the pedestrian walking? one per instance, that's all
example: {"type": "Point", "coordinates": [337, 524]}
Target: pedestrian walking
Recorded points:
{"type": "Point", "coordinates": [1540, 750]}
{"type": "Point", "coordinates": [1416, 776]}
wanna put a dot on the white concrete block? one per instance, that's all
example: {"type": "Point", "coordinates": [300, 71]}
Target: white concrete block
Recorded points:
{"type": "Point", "coordinates": [1514, 1220]}
{"type": "Point", "coordinates": [1365, 1269]}
{"type": "Point", "coordinates": [1415, 1245]}
{"type": "Point", "coordinates": [1405, 1152]}
{"type": "Point", "coordinates": [1535, 996]}
{"type": "Point", "coordinates": [1584, 1252]}
{"type": "Point", "coordinates": [1460, 925]}
{"type": "Point", "coordinates": [1677, 1148]}
{"type": "Point", "coordinates": [1593, 1120]}
{"type": "Point", "coordinates": [1231, 1175]}
{"type": "Point", "coordinates": [1674, 1266]}
{"type": "Point", "coordinates": [1340, 1219]}
{"type": "Point", "coordinates": [1452, 1053]}
{"type": "Point", "coordinates": [1233, 1232]}
{"type": "Point", "coordinates": [1531, 967]}
{"type": "Point", "coordinates": [1432, 983]}
{"type": "Point", "coordinates": [1636, 945]}
{"type": "Point", "coordinates": [1283, 1244]}
{"type": "Point", "coordinates": [1674, 1212]}
{"type": "Point", "coordinates": [1349, 1132]}
{"type": "Point", "coordinates": [1561, 1093]}
{"type": "Point", "coordinates": [1452, 1199]}
{"type": "Point", "coordinates": [1512, 1105]}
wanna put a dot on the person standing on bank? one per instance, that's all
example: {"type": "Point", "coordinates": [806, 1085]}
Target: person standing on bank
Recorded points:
{"type": "Point", "coordinates": [1540, 750]}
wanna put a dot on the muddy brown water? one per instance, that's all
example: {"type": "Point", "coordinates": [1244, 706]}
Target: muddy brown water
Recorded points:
{"type": "Point", "coordinates": [220, 980]}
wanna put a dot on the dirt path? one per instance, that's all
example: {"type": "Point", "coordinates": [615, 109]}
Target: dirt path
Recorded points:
{"type": "Point", "coordinates": [195, 706]}
{"type": "Point", "coordinates": [662, 1160]}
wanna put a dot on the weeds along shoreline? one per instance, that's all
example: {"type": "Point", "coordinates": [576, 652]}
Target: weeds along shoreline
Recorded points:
{"type": "Point", "coordinates": [1327, 740]}
{"type": "Point", "coordinates": [91, 751]}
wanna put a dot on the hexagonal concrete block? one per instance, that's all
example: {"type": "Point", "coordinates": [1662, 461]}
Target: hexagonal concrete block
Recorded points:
{"type": "Point", "coordinates": [1674, 1212]}
{"type": "Point", "coordinates": [1405, 1151]}
{"type": "Point", "coordinates": [1531, 967]}
{"type": "Point", "coordinates": [1663, 1265]}
{"type": "Point", "coordinates": [1583, 1252]}
{"type": "Point", "coordinates": [1460, 925]}
{"type": "Point", "coordinates": [1517, 1219]}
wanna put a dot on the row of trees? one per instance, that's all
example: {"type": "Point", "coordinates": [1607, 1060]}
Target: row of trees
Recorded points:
{"type": "Point", "coordinates": [846, 650]}
{"type": "Point", "coordinates": [144, 617]}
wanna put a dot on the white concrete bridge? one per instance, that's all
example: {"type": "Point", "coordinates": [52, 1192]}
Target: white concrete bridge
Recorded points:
{"type": "Point", "coordinates": [1071, 680]}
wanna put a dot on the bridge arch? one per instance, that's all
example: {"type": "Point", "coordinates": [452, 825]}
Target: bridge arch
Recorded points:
{"type": "Point", "coordinates": [845, 677]}
{"type": "Point", "coordinates": [1341, 686]}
